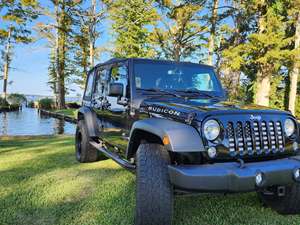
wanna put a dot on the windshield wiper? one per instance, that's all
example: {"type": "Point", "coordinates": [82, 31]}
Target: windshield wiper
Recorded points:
{"type": "Point", "coordinates": [196, 92]}
{"type": "Point", "coordinates": [159, 91]}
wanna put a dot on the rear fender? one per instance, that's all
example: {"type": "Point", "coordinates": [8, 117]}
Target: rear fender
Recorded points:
{"type": "Point", "coordinates": [90, 118]}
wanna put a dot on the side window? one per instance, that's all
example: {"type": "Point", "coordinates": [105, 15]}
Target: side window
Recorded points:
{"type": "Point", "coordinates": [101, 82]}
{"type": "Point", "coordinates": [119, 75]}
{"type": "Point", "coordinates": [89, 86]}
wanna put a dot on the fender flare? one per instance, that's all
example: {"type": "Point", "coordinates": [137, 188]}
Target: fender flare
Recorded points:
{"type": "Point", "coordinates": [182, 137]}
{"type": "Point", "coordinates": [90, 118]}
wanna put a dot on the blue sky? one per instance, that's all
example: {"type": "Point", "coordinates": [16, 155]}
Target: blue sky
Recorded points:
{"type": "Point", "coordinates": [29, 67]}
{"type": "Point", "coordinates": [29, 70]}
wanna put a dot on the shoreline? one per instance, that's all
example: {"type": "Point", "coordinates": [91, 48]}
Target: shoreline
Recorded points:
{"type": "Point", "coordinates": [58, 115]}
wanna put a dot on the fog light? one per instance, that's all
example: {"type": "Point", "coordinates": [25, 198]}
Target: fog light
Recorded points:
{"type": "Point", "coordinates": [297, 174]}
{"type": "Point", "coordinates": [259, 179]}
{"type": "Point", "coordinates": [295, 146]}
{"type": "Point", "coordinates": [212, 152]}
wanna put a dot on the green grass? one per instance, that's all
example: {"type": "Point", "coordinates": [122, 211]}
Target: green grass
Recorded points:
{"type": "Point", "coordinates": [67, 112]}
{"type": "Point", "coordinates": [41, 183]}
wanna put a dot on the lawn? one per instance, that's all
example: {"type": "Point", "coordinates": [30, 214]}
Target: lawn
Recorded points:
{"type": "Point", "coordinates": [41, 183]}
{"type": "Point", "coordinates": [67, 112]}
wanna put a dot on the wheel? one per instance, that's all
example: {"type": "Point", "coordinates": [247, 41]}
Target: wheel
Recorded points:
{"type": "Point", "coordinates": [84, 151]}
{"type": "Point", "coordinates": [286, 203]}
{"type": "Point", "coordinates": [154, 192]}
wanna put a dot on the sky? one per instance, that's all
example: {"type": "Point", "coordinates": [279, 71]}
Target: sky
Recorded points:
{"type": "Point", "coordinates": [29, 68]}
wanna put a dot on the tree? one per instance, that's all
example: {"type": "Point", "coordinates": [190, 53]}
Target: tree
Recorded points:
{"type": "Point", "coordinates": [213, 29]}
{"type": "Point", "coordinates": [268, 49]}
{"type": "Point", "coordinates": [16, 17]}
{"type": "Point", "coordinates": [16, 99]}
{"type": "Point", "coordinates": [230, 62]}
{"type": "Point", "coordinates": [264, 51]}
{"type": "Point", "coordinates": [87, 26]}
{"type": "Point", "coordinates": [179, 36]}
{"type": "Point", "coordinates": [131, 21]}
{"type": "Point", "coordinates": [89, 20]}
{"type": "Point", "coordinates": [295, 14]}
{"type": "Point", "coordinates": [59, 35]}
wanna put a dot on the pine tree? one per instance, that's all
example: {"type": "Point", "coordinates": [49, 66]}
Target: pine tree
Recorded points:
{"type": "Point", "coordinates": [131, 22]}
{"type": "Point", "coordinates": [264, 50]}
{"type": "Point", "coordinates": [294, 12]}
{"type": "Point", "coordinates": [14, 30]}
{"type": "Point", "coordinates": [213, 29]}
{"type": "Point", "coordinates": [59, 35]}
{"type": "Point", "coordinates": [180, 35]}
{"type": "Point", "coordinates": [89, 20]}
{"type": "Point", "coordinates": [230, 62]}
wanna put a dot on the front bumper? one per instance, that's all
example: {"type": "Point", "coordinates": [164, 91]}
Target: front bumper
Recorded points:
{"type": "Point", "coordinates": [231, 177]}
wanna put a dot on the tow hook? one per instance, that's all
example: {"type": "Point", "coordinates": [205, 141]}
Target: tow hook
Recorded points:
{"type": "Point", "coordinates": [281, 190]}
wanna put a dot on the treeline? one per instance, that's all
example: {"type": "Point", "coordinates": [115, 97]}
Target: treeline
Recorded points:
{"type": "Point", "coordinates": [253, 44]}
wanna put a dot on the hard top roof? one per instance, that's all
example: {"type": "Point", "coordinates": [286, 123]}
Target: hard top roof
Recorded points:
{"type": "Point", "coordinates": [118, 60]}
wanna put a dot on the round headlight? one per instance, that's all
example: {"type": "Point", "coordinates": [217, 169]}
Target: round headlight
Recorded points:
{"type": "Point", "coordinates": [289, 127]}
{"type": "Point", "coordinates": [211, 129]}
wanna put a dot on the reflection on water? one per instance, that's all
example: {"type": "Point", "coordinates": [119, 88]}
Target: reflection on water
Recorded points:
{"type": "Point", "coordinates": [30, 122]}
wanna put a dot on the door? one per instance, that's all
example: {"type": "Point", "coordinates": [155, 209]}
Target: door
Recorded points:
{"type": "Point", "coordinates": [112, 111]}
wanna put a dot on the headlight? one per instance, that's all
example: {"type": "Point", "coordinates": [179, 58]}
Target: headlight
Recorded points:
{"type": "Point", "coordinates": [289, 127]}
{"type": "Point", "coordinates": [211, 129]}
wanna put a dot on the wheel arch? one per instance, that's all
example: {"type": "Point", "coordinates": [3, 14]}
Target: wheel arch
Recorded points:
{"type": "Point", "coordinates": [90, 119]}
{"type": "Point", "coordinates": [182, 137]}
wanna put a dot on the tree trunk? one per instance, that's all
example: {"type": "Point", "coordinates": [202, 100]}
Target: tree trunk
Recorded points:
{"type": "Point", "coordinates": [295, 71]}
{"type": "Point", "coordinates": [6, 64]}
{"type": "Point", "coordinates": [92, 33]}
{"type": "Point", "coordinates": [59, 45]}
{"type": "Point", "coordinates": [211, 41]}
{"type": "Point", "coordinates": [264, 73]}
{"type": "Point", "coordinates": [56, 53]}
{"type": "Point", "coordinates": [262, 96]}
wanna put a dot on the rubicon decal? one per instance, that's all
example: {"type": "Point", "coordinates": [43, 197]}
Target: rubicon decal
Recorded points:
{"type": "Point", "coordinates": [163, 110]}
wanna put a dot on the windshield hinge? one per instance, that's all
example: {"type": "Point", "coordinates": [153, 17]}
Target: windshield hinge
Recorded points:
{"type": "Point", "coordinates": [191, 116]}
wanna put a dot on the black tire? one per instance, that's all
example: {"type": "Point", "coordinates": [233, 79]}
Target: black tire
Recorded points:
{"type": "Point", "coordinates": [84, 151]}
{"type": "Point", "coordinates": [154, 192]}
{"type": "Point", "coordinates": [287, 204]}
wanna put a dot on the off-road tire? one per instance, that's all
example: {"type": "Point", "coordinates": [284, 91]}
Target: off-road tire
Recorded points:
{"type": "Point", "coordinates": [84, 151]}
{"type": "Point", "coordinates": [287, 204]}
{"type": "Point", "coordinates": [154, 192]}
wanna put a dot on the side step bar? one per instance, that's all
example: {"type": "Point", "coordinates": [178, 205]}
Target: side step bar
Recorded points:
{"type": "Point", "coordinates": [122, 162]}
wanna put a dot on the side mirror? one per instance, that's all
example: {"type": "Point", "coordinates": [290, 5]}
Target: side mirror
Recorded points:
{"type": "Point", "coordinates": [115, 90]}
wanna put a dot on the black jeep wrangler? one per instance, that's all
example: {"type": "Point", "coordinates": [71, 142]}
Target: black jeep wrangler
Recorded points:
{"type": "Point", "coordinates": [169, 123]}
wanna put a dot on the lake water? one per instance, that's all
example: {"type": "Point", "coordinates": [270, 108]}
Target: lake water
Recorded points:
{"type": "Point", "coordinates": [28, 121]}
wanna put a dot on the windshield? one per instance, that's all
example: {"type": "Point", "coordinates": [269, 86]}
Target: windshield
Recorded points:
{"type": "Point", "coordinates": [176, 76]}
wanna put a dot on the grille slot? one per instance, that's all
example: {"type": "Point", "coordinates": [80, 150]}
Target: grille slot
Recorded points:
{"type": "Point", "coordinates": [255, 137]}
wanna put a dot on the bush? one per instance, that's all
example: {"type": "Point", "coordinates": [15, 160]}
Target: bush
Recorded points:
{"type": "Point", "coordinates": [16, 99]}
{"type": "Point", "coordinates": [46, 103]}
{"type": "Point", "coordinates": [3, 103]}
{"type": "Point", "coordinates": [30, 104]}
{"type": "Point", "coordinates": [14, 107]}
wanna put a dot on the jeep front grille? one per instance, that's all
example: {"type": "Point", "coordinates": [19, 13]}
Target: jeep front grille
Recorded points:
{"type": "Point", "coordinates": [253, 137]}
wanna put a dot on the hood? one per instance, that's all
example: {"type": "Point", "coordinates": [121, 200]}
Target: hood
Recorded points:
{"type": "Point", "coordinates": [183, 108]}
